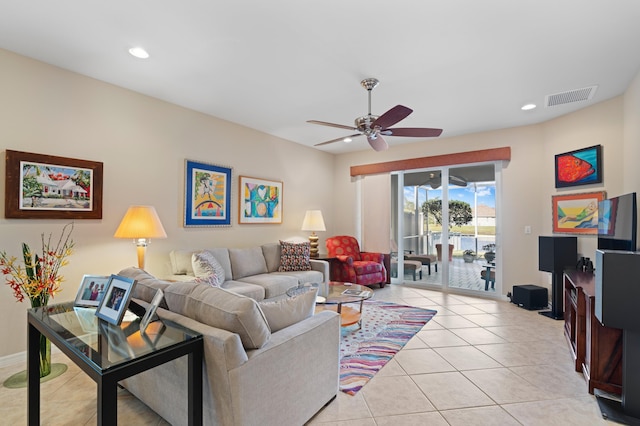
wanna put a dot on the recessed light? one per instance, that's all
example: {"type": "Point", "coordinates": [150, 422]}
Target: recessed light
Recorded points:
{"type": "Point", "coordinates": [347, 140]}
{"type": "Point", "coordinates": [139, 52]}
{"type": "Point", "coordinates": [528, 107]}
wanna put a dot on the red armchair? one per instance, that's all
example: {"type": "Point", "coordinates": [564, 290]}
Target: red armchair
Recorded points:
{"type": "Point", "coordinates": [352, 265]}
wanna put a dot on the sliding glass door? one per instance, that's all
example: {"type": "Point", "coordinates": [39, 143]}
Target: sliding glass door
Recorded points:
{"type": "Point", "coordinates": [445, 247]}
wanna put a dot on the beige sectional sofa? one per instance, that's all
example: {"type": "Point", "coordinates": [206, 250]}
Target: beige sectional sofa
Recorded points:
{"type": "Point", "coordinates": [252, 271]}
{"type": "Point", "coordinates": [266, 363]}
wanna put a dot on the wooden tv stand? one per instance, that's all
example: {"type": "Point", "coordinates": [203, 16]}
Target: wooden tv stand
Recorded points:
{"type": "Point", "coordinates": [596, 349]}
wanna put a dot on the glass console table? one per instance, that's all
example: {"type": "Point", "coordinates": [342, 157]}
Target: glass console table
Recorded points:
{"type": "Point", "coordinates": [109, 353]}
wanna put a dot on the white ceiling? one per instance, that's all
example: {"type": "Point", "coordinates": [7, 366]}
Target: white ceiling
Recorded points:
{"type": "Point", "coordinates": [462, 65]}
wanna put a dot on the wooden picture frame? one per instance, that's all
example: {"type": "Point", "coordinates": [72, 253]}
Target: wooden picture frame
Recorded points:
{"type": "Point", "coordinates": [48, 187]}
{"type": "Point", "coordinates": [260, 201]}
{"type": "Point", "coordinates": [579, 167]}
{"type": "Point", "coordinates": [207, 200]}
{"type": "Point", "coordinates": [87, 294]}
{"type": "Point", "coordinates": [576, 213]}
{"type": "Point", "coordinates": [116, 299]}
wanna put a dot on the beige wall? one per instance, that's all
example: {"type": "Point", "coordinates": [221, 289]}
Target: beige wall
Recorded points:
{"type": "Point", "coordinates": [143, 143]}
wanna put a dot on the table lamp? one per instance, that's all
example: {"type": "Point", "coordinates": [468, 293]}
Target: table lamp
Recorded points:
{"type": "Point", "coordinates": [313, 222]}
{"type": "Point", "coordinates": [140, 223]}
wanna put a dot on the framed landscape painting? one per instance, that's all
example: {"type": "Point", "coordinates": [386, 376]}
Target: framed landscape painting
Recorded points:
{"type": "Point", "coordinates": [576, 213]}
{"type": "Point", "coordinates": [207, 195]}
{"type": "Point", "coordinates": [260, 201]}
{"type": "Point", "coordinates": [49, 187]}
{"type": "Point", "coordinates": [580, 167]}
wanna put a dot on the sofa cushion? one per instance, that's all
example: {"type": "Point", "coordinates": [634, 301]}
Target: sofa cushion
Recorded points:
{"type": "Point", "coordinates": [207, 269]}
{"type": "Point", "coordinates": [181, 261]}
{"type": "Point", "coordinates": [274, 285]}
{"type": "Point", "coordinates": [285, 312]}
{"type": "Point", "coordinates": [294, 257]}
{"type": "Point", "coordinates": [146, 284]}
{"type": "Point", "coordinates": [254, 291]}
{"type": "Point", "coordinates": [220, 308]}
{"type": "Point", "coordinates": [246, 262]}
{"type": "Point", "coordinates": [271, 253]}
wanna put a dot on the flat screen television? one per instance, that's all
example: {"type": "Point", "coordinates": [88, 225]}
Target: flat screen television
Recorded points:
{"type": "Point", "coordinates": [618, 223]}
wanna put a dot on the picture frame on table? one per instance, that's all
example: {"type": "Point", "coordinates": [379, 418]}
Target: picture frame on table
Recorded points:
{"type": "Point", "coordinates": [91, 290]}
{"type": "Point", "coordinates": [116, 299]}
{"type": "Point", "coordinates": [579, 167]}
{"type": "Point", "coordinates": [39, 186]}
{"type": "Point", "coordinates": [151, 310]}
{"type": "Point", "coordinates": [260, 201]}
{"type": "Point", "coordinates": [207, 196]}
{"type": "Point", "coordinates": [576, 213]}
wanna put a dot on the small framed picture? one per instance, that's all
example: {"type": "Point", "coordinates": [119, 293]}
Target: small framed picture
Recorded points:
{"type": "Point", "coordinates": [91, 290]}
{"type": "Point", "coordinates": [146, 319]}
{"type": "Point", "coordinates": [116, 299]}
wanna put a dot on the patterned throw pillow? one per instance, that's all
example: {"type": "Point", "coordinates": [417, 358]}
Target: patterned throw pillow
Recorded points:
{"type": "Point", "coordinates": [207, 269]}
{"type": "Point", "coordinates": [294, 257]}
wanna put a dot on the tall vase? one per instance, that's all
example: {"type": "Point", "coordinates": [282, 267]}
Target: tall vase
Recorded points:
{"type": "Point", "coordinates": [45, 344]}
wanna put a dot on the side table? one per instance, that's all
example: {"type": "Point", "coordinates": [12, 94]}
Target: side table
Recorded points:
{"type": "Point", "coordinates": [109, 353]}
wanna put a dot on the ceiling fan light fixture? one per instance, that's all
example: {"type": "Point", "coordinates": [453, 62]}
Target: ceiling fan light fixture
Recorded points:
{"type": "Point", "coordinates": [347, 140]}
{"type": "Point", "coordinates": [528, 107]}
{"type": "Point", "coordinates": [139, 52]}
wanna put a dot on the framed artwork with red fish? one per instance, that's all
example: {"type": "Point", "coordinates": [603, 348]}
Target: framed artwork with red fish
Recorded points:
{"type": "Point", "coordinates": [580, 167]}
{"type": "Point", "coordinates": [576, 213]}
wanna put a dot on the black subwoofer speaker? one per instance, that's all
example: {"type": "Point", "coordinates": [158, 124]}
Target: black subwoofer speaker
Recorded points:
{"type": "Point", "coordinates": [530, 296]}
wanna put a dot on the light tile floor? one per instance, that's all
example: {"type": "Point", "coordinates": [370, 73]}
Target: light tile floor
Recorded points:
{"type": "Point", "coordinates": [477, 362]}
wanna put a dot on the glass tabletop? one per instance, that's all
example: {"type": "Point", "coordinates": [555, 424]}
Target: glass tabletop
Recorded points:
{"type": "Point", "coordinates": [106, 345]}
{"type": "Point", "coordinates": [340, 292]}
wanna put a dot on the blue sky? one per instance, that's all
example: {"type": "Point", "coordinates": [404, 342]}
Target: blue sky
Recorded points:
{"type": "Point", "coordinates": [486, 194]}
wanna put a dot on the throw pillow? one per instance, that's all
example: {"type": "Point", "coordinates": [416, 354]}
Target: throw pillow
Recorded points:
{"type": "Point", "coordinates": [294, 257]}
{"type": "Point", "coordinates": [285, 312]}
{"type": "Point", "coordinates": [207, 269]}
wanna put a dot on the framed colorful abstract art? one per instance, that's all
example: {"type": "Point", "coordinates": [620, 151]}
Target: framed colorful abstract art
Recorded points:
{"type": "Point", "coordinates": [260, 201]}
{"type": "Point", "coordinates": [580, 167]}
{"type": "Point", "coordinates": [576, 213]}
{"type": "Point", "coordinates": [207, 195]}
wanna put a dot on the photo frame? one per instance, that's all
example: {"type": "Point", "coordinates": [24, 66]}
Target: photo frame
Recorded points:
{"type": "Point", "coordinates": [48, 187]}
{"type": "Point", "coordinates": [151, 310]}
{"type": "Point", "coordinates": [91, 290]}
{"type": "Point", "coordinates": [260, 201]}
{"type": "Point", "coordinates": [576, 213]}
{"type": "Point", "coordinates": [116, 299]}
{"type": "Point", "coordinates": [207, 199]}
{"type": "Point", "coordinates": [579, 167]}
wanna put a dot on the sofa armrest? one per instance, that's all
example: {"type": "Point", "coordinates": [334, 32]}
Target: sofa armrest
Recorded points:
{"type": "Point", "coordinates": [322, 266]}
{"type": "Point", "coordinates": [299, 363]}
{"type": "Point", "coordinates": [372, 256]}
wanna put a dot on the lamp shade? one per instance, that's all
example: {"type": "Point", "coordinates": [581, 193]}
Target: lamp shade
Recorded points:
{"type": "Point", "coordinates": [140, 222]}
{"type": "Point", "coordinates": [313, 221]}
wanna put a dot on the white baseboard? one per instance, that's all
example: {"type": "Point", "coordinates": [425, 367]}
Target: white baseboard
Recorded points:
{"type": "Point", "coordinates": [21, 358]}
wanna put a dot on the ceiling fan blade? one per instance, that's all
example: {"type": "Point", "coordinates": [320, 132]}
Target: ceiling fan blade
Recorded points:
{"type": "Point", "coordinates": [418, 132]}
{"type": "Point", "coordinates": [377, 143]}
{"type": "Point", "coordinates": [339, 126]}
{"type": "Point", "coordinates": [338, 139]}
{"type": "Point", "coordinates": [391, 117]}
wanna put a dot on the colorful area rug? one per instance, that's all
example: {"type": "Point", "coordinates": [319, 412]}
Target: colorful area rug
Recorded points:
{"type": "Point", "coordinates": [386, 328]}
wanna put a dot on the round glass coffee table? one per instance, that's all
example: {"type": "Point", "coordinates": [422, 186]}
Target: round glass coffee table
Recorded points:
{"type": "Point", "coordinates": [341, 293]}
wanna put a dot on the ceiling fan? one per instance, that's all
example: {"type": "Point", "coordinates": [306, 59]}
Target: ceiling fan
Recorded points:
{"type": "Point", "coordinates": [374, 126]}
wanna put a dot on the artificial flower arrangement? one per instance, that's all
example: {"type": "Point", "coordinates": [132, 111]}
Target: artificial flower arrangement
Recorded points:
{"type": "Point", "coordinates": [39, 278]}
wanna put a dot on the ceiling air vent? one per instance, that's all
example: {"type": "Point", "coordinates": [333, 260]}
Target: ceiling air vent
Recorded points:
{"type": "Point", "coordinates": [570, 96]}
